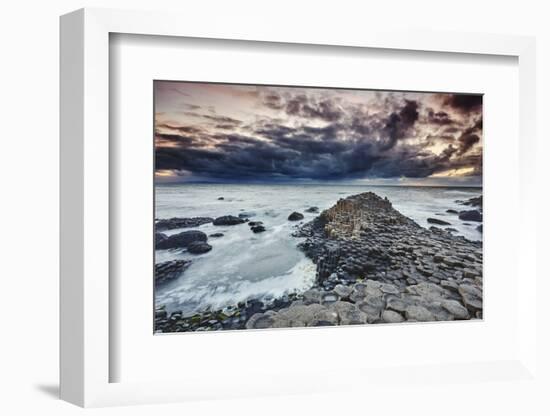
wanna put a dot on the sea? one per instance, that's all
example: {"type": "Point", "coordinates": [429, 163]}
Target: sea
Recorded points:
{"type": "Point", "coordinates": [243, 265]}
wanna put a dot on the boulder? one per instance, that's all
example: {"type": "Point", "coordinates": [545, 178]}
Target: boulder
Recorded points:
{"type": "Point", "coordinates": [258, 229]}
{"type": "Point", "coordinates": [198, 247]}
{"type": "Point", "coordinates": [173, 223]}
{"type": "Point", "coordinates": [228, 220]}
{"type": "Point", "coordinates": [312, 296]}
{"type": "Point", "coordinates": [471, 297]}
{"type": "Point", "coordinates": [438, 222]}
{"type": "Point", "coordinates": [312, 210]}
{"type": "Point", "coordinates": [391, 317]}
{"type": "Point", "coordinates": [216, 235]}
{"type": "Point", "coordinates": [343, 291]}
{"type": "Point", "coordinates": [455, 308]}
{"type": "Point", "coordinates": [221, 198]}
{"type": "Point", "coordinates": [418, 313]}
{"type": "Point", "coordinates": [259, 321]}
{"type": "Point", "coordinates": [159, 237]}
{"type": "Point", "coordinates": [480, 228]}
{"type": "Point", "coordinates": [452, 211]}
{"type": "Point", "coordinates": [295, 216]}
{"type": "Point", "coordinates": [182, 240]}
{"type": "Point", "coordinates": [474, 202]}
{"type": "Point", "coordinates": [169, 270]}
{"type": "Point", "coordinates": [471, 215]}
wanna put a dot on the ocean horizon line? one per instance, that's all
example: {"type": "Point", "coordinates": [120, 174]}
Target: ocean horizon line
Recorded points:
{"type": "Point", "coordinates": [317, 184]}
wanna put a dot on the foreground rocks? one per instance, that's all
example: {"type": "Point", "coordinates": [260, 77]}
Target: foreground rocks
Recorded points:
{"type": "Point", "coordinates": [438, 221]}
{"type": "Point", "coordinates": [180, 240]}
{"type": "Point", "coordinates": [374, 265]}
{"type": "Point", "coordinates": [173, 223]}
{"type": "Point", "coordinates": [170, 270]}
{"type": "Point", "coordinates": [228, 220]}
{"type": "Point", "coordinates": [471, 215]}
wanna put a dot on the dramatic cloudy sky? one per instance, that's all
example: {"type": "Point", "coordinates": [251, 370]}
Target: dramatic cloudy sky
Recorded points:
{"type": "Point", "coordinates": [235, 133]}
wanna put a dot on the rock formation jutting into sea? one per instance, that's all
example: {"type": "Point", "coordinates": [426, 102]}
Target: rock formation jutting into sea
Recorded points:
{"type": "Point", "coordinates": [374, 265]}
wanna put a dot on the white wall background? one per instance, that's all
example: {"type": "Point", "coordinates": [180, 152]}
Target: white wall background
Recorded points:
{"type": "Point", "coordinates": [29, 208]}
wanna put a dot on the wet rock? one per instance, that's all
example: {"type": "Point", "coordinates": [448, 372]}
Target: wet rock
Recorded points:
{"type": "Point", "coordinates": [221, 198]}
{"type": "Point", "coordinates": [216, 235]}
{"type": "Point", "coordinates": [159, 237]}
{"type": "Point", "coordinates": [471, 297]}
{"type": "Point", "coordinates": [170, 270]}
{"type": "Point", "coordinates": [245, 215]}
{"type": "Point", "coordinates": [349, 314]}
{"type": "Point", "coordinates": [389, 288]}
{"type": "Point", "coordinates": [259, 321]}
{"type": "Point", "coordinates": [173, 223]}
{"type": "Point", "coordinates": [396, 304]}
{"type": "Point", "coordinates": [258, 229]}
{"type": "Point", "coordinates": [312, 296]}
{"type": "Point", "coordinates": [452, 211]}
{"type": "Point", "coordinates": [451, 230]}
{"type": "Point", "coordinates": [474, 202]}
{"type": "Point", "coordinates": [438, 221]}
{"type": "Point", "coordinates": [392, 317]}
{"type": "Point", "coordinates": [471, 215]}
{"type": "Point", "coordinates": [312, 210]}
{"type": "Point", "coordinates": [228, 220]}
{"type": "Point", "coordinates": [418, 313]}
{"type": "Point", "coordinates": [181, 240]}
{"type": "Point", "coordinates": [456, 309]}
{"type": "Point", "coordinates": [329, 298]}
{"type": "Point", "coordinates": [480, 228]}
{"type": "Point", "coordinates": [295, 216]}
{"type": "Point", "coordinates": [198, 247]}
{"type": "Point", "coordinates": [343, 291]}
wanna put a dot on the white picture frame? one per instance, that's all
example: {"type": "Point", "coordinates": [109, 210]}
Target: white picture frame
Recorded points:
{"type": "Point", "coordinates": [85, 201]}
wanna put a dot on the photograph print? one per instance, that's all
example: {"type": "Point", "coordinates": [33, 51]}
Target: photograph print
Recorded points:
{"type": "Point", "coordinates": [291, 206]}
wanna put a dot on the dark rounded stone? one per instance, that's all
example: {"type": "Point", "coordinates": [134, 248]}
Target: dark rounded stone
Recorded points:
{"type": "Point", "coordinates": [452, 211]}
{"type": "Point", "coordinates": [221, 198]}
{"type": "Point", "coordinates": [199, 247]}
{"type": "Point", "coordinates": [173, 223]}
{"type": "Point", "coordinates": [216, 235]}
{"type": "Point", "coordinates": [159, 237]}
{"type": "Point", "coordinates": [254, 223]}
{"type": "Point", "coordinates": [182, 239]}
{"type": "Point", "coordinates": [312, 209]}
{"type": "Point", "coordinates": [228, 220]}
{"type": "Point", "coordinates": [295, 216]}
{"type": "Point", "coordinates": [472, 215]}
{"type": "Point", "coordinates": [258, 229]}
{"type": "Point", "coordinates": [438, 221]}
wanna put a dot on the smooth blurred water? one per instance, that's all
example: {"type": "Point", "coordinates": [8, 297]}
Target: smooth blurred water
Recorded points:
{"type": "Point", "coordinates": [245, 265]}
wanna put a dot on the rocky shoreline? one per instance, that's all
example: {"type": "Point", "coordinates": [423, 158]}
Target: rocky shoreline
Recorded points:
{"type": "Point", "coordinates": [374, 265]}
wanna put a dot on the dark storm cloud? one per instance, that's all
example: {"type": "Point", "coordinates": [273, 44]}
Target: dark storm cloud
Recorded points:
{"type": "Point", "coordinates": [302, 106]}
{"type": "Point", "coordinates": [399, 124]}
{"type": "Point", "coordinates": [298, 136]}
{"type": "Point", "coordinates": [440, 117]}
{"type": "Point", "coordinates": [469, 137]}
{"type": "Point", "coordinates": [463, 102]}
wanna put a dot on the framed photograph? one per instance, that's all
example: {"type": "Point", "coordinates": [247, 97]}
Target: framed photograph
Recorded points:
{"type": "Point", "coordinates": [281, 207]}
{"type": "Point", "coordinates": [248, 207]}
